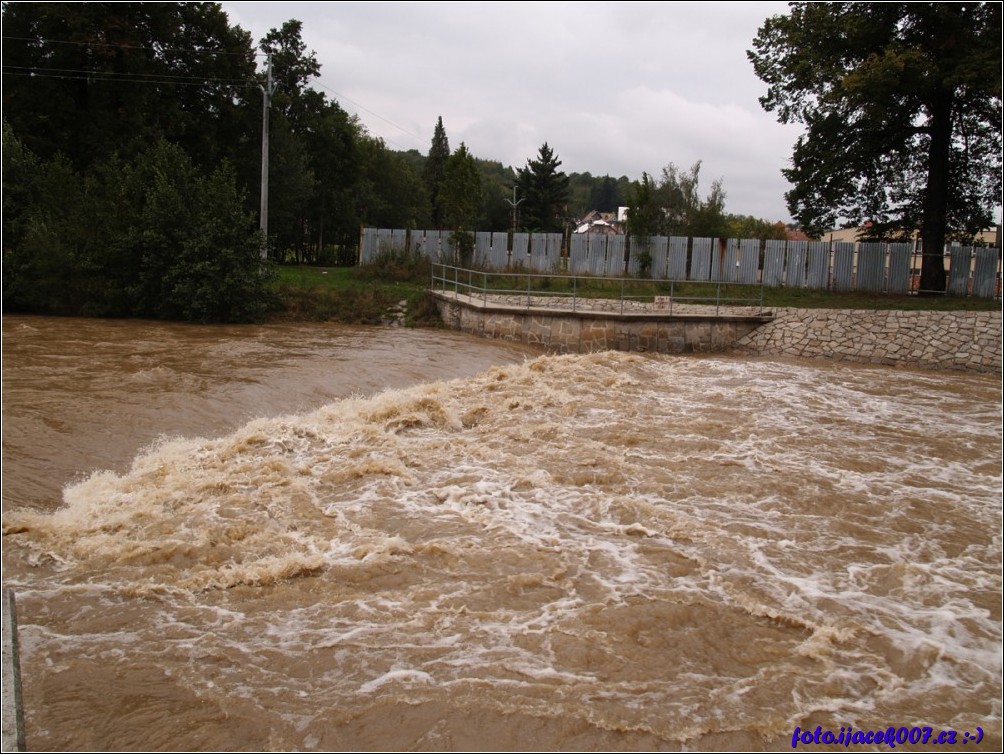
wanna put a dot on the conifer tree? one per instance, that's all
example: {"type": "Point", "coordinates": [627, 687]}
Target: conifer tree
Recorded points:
{"type": "Point", "coordinates": [435, 171]}
{"type": "Point", "coordinates": [545, 191]}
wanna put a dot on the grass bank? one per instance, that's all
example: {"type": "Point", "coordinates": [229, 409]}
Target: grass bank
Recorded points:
{"type": "Point", "coordinates": [397, 288]}
{"type": "Point", "coordinates": [355, 295]}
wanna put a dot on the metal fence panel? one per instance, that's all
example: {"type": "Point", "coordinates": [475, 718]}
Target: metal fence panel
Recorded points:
{"type": "Point", "coordinates": [899, 268]}
{"type": "Point", "coordinates": [959, 270]}
{"type": "Point", "coordinates": [578, 254]}
{"type": "Point", "coordinates": [676, 262]}
{"type": "Point", "coordinates": [819, 265]}
{"type": "Point", "coordinates": [615, 256]}
{"type": "Point", "coordinates": [554, 249]}
{"type": "Point", "coordinates": [367, 246]}
{"type": "Point", "coordinates": [843, 266]}
{"type": "Point", "coordinates": [398, 240]}
{"type": "Point", "coordinates": [723, 260]}
{"type": "Point", "coordinates": [794, 271]}
{"type": "Point", "coordinates": [499, 255]}
{"type": "Point", "coordinates": [426, 243]}
{"type": "Point", "coordinates": [482, 249]}
{"type": "Point", "coordinates": [657, 248]}
{"type": "Point", "coordinates": [597, 254]}
{"type": "Point", "coordinates": [446, 250]}
{"type": "Point", "coordinates": [986, 276]}
{"type": "Point", "coordinates": [538, 252]}
{"type": "Point", "coordinates": [520, 250]}
{"type": "Point", "coordinates": [384, 236]}
{"type": "Point", "coordinates": [749, 261]}
{"type": "Point", "coordinates": [700, 259]}
{"type": "Point", "coordinates": [773, 263]}
{"type": "Point", "coordinates": [871, 267]}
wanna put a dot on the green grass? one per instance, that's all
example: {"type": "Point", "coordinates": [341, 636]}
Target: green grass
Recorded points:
{"type": "Point", "coordinates": [352, 295]}
{"type": "Point", "coordinates": [365, 295]}
{"type": "Point", "coordinates": [773, 298]}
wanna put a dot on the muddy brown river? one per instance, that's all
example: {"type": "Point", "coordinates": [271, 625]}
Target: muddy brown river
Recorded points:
{"type": "Point", "coordinates": [315, 537]}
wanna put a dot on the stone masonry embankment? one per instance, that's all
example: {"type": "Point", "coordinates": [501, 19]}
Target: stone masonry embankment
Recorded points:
{"type": "Point", "coordinates": [930, 339]}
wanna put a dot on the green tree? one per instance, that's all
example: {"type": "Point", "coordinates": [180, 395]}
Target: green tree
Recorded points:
{"type": "Point", "coordinates": [461, 199]}
{"type": "Point", "coordinates": [293, 68]}
{"type": "Point", "coordinates": [434, 172]}
{"type": "Point", "coordinates": [92, 79]}
{"type": "Point", "coordinates": [902, 108]}
{"type": "Point", "coordinates": [183, 245]}
{"type": "Point", "coordinates": [496, 188]}
{"type": "Point", "coordinates": [674, 207]}
{"type": "Point", "coordinates": [545, 191]}
{"type": "Point", "coordinates": [747, 226]}
{"type": "Point", "coordinates": [686, 213]}
{"type": "Point", "coordinates": [605, 196]}
{"type": "Point", "coordinates": [390, 192]}
{"type": "Point", "coordinates": [646, 216]}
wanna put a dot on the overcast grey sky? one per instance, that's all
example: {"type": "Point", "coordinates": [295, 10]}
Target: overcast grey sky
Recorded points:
{"type": "Point", "coordinates": [613, 88]}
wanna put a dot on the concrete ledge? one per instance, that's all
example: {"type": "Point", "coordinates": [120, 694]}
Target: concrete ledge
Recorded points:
{"type": "Point", "coordinates": [13, 714]}
{"type": "Point", "coordinates": [687, 329]}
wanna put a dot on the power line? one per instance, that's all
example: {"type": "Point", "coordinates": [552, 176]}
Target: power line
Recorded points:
{"type": "Point", "coordinates": [375, 115]}
{"type": "Point", "coordinates": [130, 47]}
{"type": "Point", "coordinates": [165, 78]}
{"type": "Point", "coordinates": [117, 75]}
{"type": "Point", "coordinates": [68, 77]}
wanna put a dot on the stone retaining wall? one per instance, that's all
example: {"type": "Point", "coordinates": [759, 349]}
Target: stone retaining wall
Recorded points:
{"type": "Point", "coordinates": [931, 339]}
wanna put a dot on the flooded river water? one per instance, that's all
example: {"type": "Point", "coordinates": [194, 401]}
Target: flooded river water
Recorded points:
{"type": "Point", "coordinates": [316, 537]}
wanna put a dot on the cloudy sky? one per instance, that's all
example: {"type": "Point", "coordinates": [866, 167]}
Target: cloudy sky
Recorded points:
{"type": "Point", "coordinates": [613, 88]}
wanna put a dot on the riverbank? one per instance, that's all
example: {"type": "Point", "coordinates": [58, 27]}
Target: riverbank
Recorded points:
{"type": "Point", "coordinates": [374, 294]}
{"type": "Point", "coordinates": [950, 333]}
{"type": "Point", "coordinates": [956, 340]}
{"type": "Point", "coordinates": [944, 340]}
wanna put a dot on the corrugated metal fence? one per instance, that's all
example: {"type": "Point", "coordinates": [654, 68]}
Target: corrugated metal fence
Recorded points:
{"type": "Point", "coordinates": [866, 266]}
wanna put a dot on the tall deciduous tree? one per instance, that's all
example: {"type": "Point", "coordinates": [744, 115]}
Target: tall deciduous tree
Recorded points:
{"type": "Point", "coordinates": [902, 108]}
{"type": "Point", "coordinates": [293, 68]}
{"type": "Point", "coordinates": [435, 171]}
{"type": "Point", "coordinates": [686, 214]}
{"type": "Point", "coordinates": [545, 191]}
{"type": "Point", "coordinates": [674, 206]}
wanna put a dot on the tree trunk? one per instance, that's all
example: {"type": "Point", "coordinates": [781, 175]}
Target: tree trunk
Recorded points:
{"type": "Point", "coordinates": [932, 232]}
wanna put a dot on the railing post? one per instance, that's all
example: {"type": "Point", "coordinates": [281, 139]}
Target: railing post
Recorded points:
{"type": "Point", "coordinates": [575, 290]}
{"type": "Point", "coordinates": [484, 287]}
{"type": "Point", "coordinates": [622, 295]}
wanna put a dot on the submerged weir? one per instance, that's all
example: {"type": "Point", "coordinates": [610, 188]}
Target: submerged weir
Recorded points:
{"type": "Point", "coordinates": [597, 551]}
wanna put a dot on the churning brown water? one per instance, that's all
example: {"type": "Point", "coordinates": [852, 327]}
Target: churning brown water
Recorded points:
{"type": "Point", "coordinates": [604, 551]}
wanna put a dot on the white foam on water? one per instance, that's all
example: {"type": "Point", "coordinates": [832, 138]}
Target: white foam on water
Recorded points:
{"type": "Point", "coordinates": [684, 543]}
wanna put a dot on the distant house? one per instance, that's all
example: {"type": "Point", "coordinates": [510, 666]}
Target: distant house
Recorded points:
{"type": "Point", "coordinates": [599, 223]}
{"type": "Point", "coordinates": [795, 234]}
{"type": "Point", "coordinates": [987, 237]}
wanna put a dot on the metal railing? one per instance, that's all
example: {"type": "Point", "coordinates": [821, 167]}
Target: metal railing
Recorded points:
{"type": "Point", "coordinates": [589, 293]}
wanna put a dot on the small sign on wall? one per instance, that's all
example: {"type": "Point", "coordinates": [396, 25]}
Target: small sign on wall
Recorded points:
{"type": "Point", "coordinates": [661, 304]}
